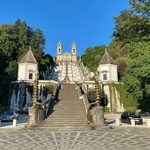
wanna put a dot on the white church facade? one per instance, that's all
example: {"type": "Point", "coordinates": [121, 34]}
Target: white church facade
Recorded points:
{"type": "Point", "coordinates": [68, 65]}
{"type": "Point", "coordinates": [66, 57]}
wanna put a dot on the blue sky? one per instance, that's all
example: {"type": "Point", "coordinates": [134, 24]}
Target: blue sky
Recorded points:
{"type": "Point", "coordinates": [87, 22]}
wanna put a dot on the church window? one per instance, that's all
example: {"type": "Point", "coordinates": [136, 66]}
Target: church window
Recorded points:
{"type": "Point", "coordinates": [59, 50]}
{"type": "Point", "coordinates": [104, 76]}
{"type": "Point", "coordinates": [73, 50]}
{"type": "Point", "coordinates": [30, 75]}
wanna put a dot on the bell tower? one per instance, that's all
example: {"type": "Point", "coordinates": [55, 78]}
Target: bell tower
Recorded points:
{"type": "Point", "coordinates": [73, 48]}
{"type": "Point", "coordinates": [73, 52]}
{"type": "Point", "coordinates": [59, 48]}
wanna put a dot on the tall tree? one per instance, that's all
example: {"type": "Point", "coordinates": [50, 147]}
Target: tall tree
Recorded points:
{"type": "Point", "coordinates": [137, 80]}
{"type": "Point", "coordinates": [132, 34]}
{"type": "Point", "coordinates": [131, 28]}
{"type": "Point", "coordinates": [8, 41]}
{"type": "Point", "coordinates": [92, 56]}
{"type": "Point", "coordinates": [15, 41]}
{"type": "Point", "coordinates": [141, 7]}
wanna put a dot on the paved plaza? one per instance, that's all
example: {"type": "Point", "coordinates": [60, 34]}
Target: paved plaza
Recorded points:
{"type": "Point", "coordinates": [109, 137]}
{"type": "Point", "coordinates": [102, 139]}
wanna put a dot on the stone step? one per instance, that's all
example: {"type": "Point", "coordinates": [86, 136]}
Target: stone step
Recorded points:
{"type": "Point", "coordinates": [65, 123]}
{"type": "Point", "coordinates": [69, 128]}
{"type": "Point", "coordinates": [68, 112]}
{"type": "Point", "coordinates": [63, 126]}
{"type": "Point", "coordinates": [73, 111]}
{"type": "Point", "coordinates": [63, 108]}
{"type": "Point", "coordinates": [63, 115]}
{"type": "Point", "coordinates": [69, 108]}
{"type": "Point", "coordinates": [65, 119]}
{"type": "Point", "coordinates": [71, 104]}
{"type": "Point", "coordinates": [66, 115]}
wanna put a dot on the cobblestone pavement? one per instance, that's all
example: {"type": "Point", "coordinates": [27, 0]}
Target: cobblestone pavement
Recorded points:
{"type": "Point", "coordinates": [102, 139]}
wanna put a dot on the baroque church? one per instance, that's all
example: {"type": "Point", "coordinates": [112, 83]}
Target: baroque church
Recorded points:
{"type": "Point", "coordinates": [67, 57]}
{"type": "Point", "coordinates": [67, 68]}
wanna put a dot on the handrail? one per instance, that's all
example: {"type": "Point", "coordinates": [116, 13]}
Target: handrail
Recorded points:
{"type": "Point", "coordinates": [83, 97]}
{"type": "Point", "coordinates": [49, 98]}
{"type": "Point", "coordinates": [47, 104]}
{"type": "Point", "coordinates": [85, 102]}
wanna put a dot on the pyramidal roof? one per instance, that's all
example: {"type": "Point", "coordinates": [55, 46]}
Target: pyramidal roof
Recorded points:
{"type": "Point", "coordinates": [28, 58]}
{"type": "Point", "coordinates": [107, 59]}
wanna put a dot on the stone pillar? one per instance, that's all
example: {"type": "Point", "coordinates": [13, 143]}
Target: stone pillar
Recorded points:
{"type": "Point", "coordinates": [33, 110]}
{"type": "Point", "coordinates": [97, 90]}
{"type": "Point", "coordinates": [32, 120]}
{"type": "Point", "coordinates": [97, 115]}
{"type": "Point", "coordinates": [118, 122]}
{"type": "Point", "coordinates": [35, 93]}
{"type": "Point", "coordinates": [14, 122]}
{"type": "Point", "coordinates": [132, 122]}
{"type": "Point", "coordinates": [148, 122]}
{"type": "Point", "coordinates": [97, 112]}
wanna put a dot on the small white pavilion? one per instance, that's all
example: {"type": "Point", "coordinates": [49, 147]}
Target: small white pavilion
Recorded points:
{"type": "Point", "coordinates": [107, 69]}
{"type": "Point", "coordinates": [28, 67]}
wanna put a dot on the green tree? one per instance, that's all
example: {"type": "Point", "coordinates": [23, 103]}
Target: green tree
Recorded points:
{"type": "Point", "coordinates": [8, 44]}
{"type": "Point", "coordinates": [92, 57]}
{"type": "Point", "coordinates": [131, 46]}
{"type": "Point", "coordinates": [46, 61]}
{"type": "Point", "coordinates": [137, 49]}
{"type": "Point", "coordinates": [121, 69]}
{"type": "Point", "coordinates": [141, 7]}
{"type": "Point", "coordinates": [137, 80]}
{"type": "Point", "coordinates": [15, 41]}
{"type": "Point", "coordinates": [131, 28]}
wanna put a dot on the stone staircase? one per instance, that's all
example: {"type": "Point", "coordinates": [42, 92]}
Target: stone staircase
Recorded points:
{"type": "Point", "coordinates": [67, 112]}
{"type": "Point", "coordinates": [70, 69]}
